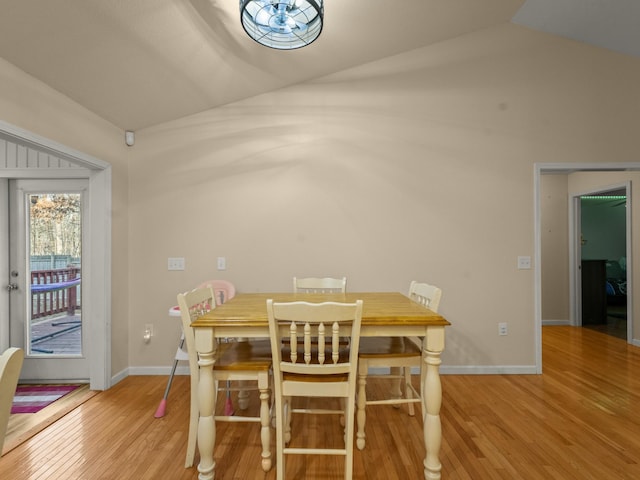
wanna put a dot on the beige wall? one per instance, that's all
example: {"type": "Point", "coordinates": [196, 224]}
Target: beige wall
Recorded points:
{"type": "Point", "coordinates": [31, 105]}
{"type": "Point", "coordinates": [416, 167]}
{"type": "Point", "coordinates": [554, 240]}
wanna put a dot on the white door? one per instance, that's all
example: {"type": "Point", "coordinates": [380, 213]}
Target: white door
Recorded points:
{"type": "Point", "coordinates": [46, 220]}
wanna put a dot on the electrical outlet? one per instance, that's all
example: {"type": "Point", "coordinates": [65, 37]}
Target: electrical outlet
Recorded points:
{"type": "Point", "coordinates": [175, 263]}
{"type": "Point", "coordinates": [502, 328]}
{"type": "Point", "coordinates": [148, 332]}
{"type": "Point", "coordinates": [524, 263]}
{"type": "Point", "coordinates": [222, 263]}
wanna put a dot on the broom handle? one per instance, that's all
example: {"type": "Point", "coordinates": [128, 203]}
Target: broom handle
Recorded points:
{"type": "Point", "coordinates": [173, 371]}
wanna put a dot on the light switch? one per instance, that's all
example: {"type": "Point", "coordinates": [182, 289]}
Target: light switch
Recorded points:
{"type": "Point", "coordinates": [222, 263]}
{"type": "Point", "coordinates": [175, 263]}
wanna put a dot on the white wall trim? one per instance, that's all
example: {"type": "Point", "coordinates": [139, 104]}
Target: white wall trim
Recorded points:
{"type": "Point", "coordinates": [121, 375]}
{"type": "Point", "coordinates": [43, 173]}
{"type": "Point", "coordinates": [4, 265]}
{"type": "Point", "coordinates": [27, 138]}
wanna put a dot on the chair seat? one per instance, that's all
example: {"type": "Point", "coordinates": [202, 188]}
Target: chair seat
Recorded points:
{"type": "Point", "coordinates": [245, 355]}
{"type": "Point", "coordinates": [380, 347]}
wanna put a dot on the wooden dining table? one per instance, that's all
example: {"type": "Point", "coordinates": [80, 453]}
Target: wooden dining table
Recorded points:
{"type": "Point", "coordinates": [385, 314]}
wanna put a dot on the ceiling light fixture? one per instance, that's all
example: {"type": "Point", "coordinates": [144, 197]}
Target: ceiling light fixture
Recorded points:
{"type": "Point", "coordinates": [282, 24]}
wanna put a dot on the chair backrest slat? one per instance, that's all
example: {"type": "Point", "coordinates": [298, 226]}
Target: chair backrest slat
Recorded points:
{"type": "Point", "coordinates": [319, 285]}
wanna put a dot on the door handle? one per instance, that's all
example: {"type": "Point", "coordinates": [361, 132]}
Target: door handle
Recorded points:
{"type": "Point", "coordinates": [12, 286]}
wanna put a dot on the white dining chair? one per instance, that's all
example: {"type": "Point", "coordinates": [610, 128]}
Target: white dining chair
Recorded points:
{"type": "Point", "coordinates": [309, 360]}
{"type": "Point", "coordinates": [319, 285]}
{"type": "Point", "coordinates": [399, 355]}
{"type": "Point", "coordinates": [10, 367]}
{"type": "Point", "coordinates": [247, 360]}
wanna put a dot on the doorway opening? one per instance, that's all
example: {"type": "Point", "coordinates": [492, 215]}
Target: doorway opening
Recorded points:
{"type": "Point", "coordinates": [604, 246]}
{"type": "Point", "coordinates": [599, 176]}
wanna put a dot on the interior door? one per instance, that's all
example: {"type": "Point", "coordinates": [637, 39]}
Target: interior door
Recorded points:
{"type": "Point", "coordinates": [46, 220]}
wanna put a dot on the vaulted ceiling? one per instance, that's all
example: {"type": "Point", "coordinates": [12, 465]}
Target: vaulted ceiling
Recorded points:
{"type": "Point", "coordinates": [139, 63]}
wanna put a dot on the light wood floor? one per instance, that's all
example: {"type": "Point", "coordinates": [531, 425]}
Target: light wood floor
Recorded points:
{"type": "Point", "coordinates": [579, 420]}
{"type": "Point", "coordinates": [24, 425]}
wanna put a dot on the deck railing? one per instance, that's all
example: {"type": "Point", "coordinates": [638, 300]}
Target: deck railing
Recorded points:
{"type": "Point", "coordinates": [55, 291]}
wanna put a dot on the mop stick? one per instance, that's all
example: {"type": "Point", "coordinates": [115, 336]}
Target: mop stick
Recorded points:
{"type": "Point", "coordinates": [228, 406]}
{"type": "Point", "coordinates": [163, 403]}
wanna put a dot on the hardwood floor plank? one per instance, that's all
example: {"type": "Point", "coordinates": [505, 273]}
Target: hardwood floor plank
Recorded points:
{"type": "Point", "coordinates": [576, 421]}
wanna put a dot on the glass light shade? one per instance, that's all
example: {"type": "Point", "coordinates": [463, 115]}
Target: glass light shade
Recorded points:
{"type": "Point", "coordinates": [282, 24]}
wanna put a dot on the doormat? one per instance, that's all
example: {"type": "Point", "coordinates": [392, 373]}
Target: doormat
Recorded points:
{"type": "Point", "coordinates": [33, 398]}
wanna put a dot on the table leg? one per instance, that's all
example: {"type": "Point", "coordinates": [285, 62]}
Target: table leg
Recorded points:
{"type": "Point", "coordinates": [432, 400]}
{"type": "Point", "coordinates": [205, 345]}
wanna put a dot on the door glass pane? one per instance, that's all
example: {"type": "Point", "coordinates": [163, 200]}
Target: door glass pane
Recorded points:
{"type": "Point", "coordinates": [55, 249]}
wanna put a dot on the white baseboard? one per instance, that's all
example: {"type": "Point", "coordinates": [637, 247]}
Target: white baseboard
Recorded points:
{"type": "Point", "coordinates": [164, 370]}
{"type": "Point", "coordinates": [118, 377]}
{"type": "Point", "coordinates": [555, 322]}
{"type": "Point", "coordinates": [444, 370]}
{"type": "Point", "coordinates": [488, 370]}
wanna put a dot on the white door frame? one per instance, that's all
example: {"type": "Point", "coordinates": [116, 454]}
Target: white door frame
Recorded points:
{"type": "Point", "coordinates": [558, 168]}
{"type": "Point", "coordinates": [575, 257]}
{"type": "Point", "coordinates": [98, 266]}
